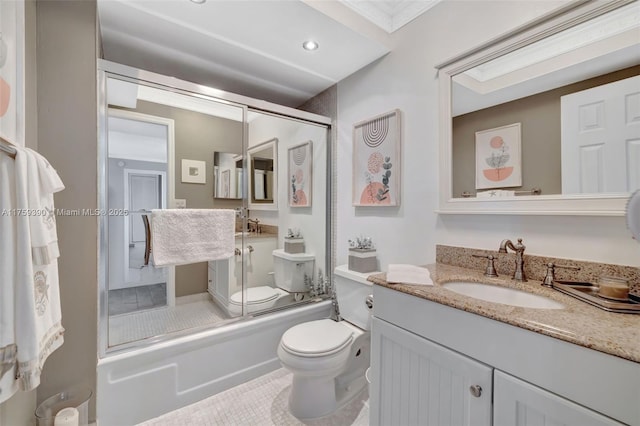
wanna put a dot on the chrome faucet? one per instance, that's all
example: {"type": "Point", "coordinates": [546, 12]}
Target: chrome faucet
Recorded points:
{"type": "Point", "coordinates": [518, 274]}
{"type": "Point", "coordinates": [256, 225]}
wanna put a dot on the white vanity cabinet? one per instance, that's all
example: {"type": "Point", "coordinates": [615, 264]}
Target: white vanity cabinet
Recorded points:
{"type": "Point", "coordinates": [418, 382]}
{"type": "Point", "coordinates": [225, 276]}
{"type": "Point", "coordinates": [518, 403]}
{"type": "Point", "coordinates": [436, 365]}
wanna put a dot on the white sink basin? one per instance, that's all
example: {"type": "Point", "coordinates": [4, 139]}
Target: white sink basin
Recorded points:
{"type": "Point", "coordinates": [504, 295]}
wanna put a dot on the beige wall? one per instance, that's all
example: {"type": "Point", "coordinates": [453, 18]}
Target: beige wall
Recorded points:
{"type": "Point", "coordinates": [197, 136]}
{"type": "Point", "coordinates": [30, 76]}
{"type": "Point", "coordinates": [67, 129]}
{"type": "Point", "coordinates": [540, 118]}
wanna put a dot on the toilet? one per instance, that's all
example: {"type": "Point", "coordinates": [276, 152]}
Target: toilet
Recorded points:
{"type": "Point", "coordinates": [288, 274]}
{"type": "Point", "coordinates": [329, 359]}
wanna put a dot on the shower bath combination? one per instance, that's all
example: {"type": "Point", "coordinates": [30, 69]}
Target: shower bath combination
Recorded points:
{"type": "Point", "coordinates": [160, 145]}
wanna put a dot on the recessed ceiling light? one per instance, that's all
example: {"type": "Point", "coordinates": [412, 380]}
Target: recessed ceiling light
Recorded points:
{"type": "Point", "coordinates": [310, 45]}
{"type": "Point", "coordinates": [198, 1]}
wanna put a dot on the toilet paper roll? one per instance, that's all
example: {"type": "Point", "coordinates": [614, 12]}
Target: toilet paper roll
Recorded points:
{"type": "Point", "coordinates": [67, 417]}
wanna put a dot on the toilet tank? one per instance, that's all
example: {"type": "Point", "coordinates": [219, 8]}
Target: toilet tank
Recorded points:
{"type": "Point", "coordinates": [352, 290]}
{"type": "Point", "coordinates": [289, 270]}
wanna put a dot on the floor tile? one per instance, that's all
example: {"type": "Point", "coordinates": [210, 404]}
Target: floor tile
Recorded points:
{"type": "Point", "coordinates": [259, 402]}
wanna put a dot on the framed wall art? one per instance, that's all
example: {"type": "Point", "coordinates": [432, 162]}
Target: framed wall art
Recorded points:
{"type": "Point", "coordinates": [498, 157]}
{"type": "Point", "coordinates": [300, 174]}
{"type": "Point", "coordinates": [376, 161]}
{"type": "Point", "coordinates": [193, 171]}
{"type": "Point", "coordinates": [12, 71]}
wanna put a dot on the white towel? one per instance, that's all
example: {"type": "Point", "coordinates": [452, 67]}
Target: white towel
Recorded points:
{"type": "Point", "coordinates": [43, 183]}
{"type": "Point", "coordinates": [408, 274]}
{"type": "Point", "coordinates": [37, 317]}
{"type": "Point", "coordinates": [181, 236]}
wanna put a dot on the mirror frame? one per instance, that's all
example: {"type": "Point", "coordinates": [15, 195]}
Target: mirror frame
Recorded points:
{"type": "Point", "coordinates": [266, 204]}
{"type": "Point", "coordinates": [613, 204]}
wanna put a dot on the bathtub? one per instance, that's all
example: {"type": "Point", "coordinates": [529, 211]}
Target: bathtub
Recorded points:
{"type": "Point", "coordinates": [144, 383]}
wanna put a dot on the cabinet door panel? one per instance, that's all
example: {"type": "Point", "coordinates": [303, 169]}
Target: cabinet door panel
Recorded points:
{"type": "Point", "coordinates": [518, 403]}
{"type": "Point", "coordinates": [417, 382]}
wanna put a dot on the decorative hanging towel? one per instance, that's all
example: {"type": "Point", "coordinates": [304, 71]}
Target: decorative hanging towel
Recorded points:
{"type": "Point", "coordinates": [37, 315]}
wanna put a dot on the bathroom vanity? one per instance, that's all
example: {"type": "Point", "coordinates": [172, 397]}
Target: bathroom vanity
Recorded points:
{"type": "Point", "coordinates": [441, 358]}
{"type": "Point", "coordinates": [225, 276]}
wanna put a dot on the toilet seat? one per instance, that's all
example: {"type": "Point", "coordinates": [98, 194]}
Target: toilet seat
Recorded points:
{"type": "Point", "coordinates": [317, 338]}
{"type": "Point", "coordinates": [255, 295]}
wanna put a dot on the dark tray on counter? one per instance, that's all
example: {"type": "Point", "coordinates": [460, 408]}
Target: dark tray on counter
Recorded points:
{"type": "Point", "coordinates": [588, 292]}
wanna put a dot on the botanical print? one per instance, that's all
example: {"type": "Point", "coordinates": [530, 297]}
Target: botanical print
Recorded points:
{"type": "Point", "coordinates": [376, 155]}
{"type": "Point", "coordinates": [498, 162]}
{"type": "Point", "coordinates": [300, 175]}
{"type": "Point", "coordinates": [377, 192]}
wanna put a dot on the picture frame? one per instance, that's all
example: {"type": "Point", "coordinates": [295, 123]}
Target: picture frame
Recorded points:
{"type": "Point", "coordinates": [498, 157]}
{"type": "Point", "coordinates": [377, 155]}
{"type": "Point", "coordinates": [12, 71]}
{"type": "Point", "coordinates": [225, 183]}
{"type": "Point", "coordinates": [194, 171]}
{"type": "Point", "coordinates": [300, 174]}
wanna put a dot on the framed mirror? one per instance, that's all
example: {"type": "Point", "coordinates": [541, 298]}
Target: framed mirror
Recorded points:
{"type": "Point", "coordinates": [227, 175]}
{"type": "Point", "coordinates": [545, 120]}
{"type": "Point", "coordinates": [263, 175]}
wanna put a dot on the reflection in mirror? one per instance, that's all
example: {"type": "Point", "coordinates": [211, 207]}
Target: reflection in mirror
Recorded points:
{"type": "Point", "coordinates": [227, 172]}
{"type": "Point", "coordinates": [575, 97]}
{"type": "Point", "coordinates": [150, 132]}
{"type": "Point", "coordinates": [263, 181]}
{"type": "Point", "coordinates": [139, 149]}
{"type": "Point", "coordinates": [295, 273]}
{"type": "Point", "coordinates": [147, 132]}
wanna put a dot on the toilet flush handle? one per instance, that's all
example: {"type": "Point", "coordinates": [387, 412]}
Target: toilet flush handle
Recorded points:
{"type": "Point", "coordinates": [369, 301]}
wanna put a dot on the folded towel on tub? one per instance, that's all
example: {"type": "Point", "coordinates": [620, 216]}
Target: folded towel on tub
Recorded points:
{"type": "Point", "coordinates": [182, 236]}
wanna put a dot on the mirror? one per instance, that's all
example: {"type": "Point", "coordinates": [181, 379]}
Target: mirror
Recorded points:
{"type": "Point", "coordinates": [527, 116]}
{"type": "Point", "coordinates": [227, 174]}
{"type": "Point", "coordinates": [263, 172]}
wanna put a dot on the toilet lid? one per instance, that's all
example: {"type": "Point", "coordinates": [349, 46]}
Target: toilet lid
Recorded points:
{"type": "Point", "coordinates": [317, 338]}
{"type": "Point", "coordinates": [255, 295]}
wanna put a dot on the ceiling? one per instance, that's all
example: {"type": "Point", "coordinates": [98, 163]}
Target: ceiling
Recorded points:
{"type": "Point", "coordinates": [253, 47]}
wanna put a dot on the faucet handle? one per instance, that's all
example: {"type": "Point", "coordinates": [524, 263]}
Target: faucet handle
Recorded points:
{"type": "Point", "coordinates": [490, 270]}
{"type": "Point", "coordinates": [550, 276]}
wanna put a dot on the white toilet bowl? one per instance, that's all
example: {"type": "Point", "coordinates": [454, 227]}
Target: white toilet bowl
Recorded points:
{"type": "Point", "coordinates": [289, 280]}
{"type": "Point", "coordinates": [257, 299]}
{"type": "Point", "coordinates": [320, 354]}
{"type": "Point", "coordinates": [329, 359]}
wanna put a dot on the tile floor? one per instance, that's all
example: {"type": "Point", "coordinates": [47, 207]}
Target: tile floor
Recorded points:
{"type": "Point", "coordinates": [125, 300]}
{"type": "Point", "coordinates": [190, 311]}
{"type": "Point", "coordinates": [259, 402]}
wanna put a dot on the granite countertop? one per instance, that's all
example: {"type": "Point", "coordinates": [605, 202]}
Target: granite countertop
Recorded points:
{"type": "Point", "coordinates": [580, 323]}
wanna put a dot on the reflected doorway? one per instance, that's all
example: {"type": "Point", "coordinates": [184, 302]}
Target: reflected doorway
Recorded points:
{"type": "Point", "coordinates": [139, 172]}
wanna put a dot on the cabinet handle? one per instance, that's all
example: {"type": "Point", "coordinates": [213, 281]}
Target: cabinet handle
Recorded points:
{"type": "Point", "coordinates": [369, 301]}
{"type": "Point", "coordinates": [476, 390]}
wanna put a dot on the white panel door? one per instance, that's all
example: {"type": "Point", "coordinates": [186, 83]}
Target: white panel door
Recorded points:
{"type": "Point", "coordinates": [518, 403]}
{"type": "Point", "coordinates": [417, 382]}
{"type": "Point", "coordinates": [601, 138]}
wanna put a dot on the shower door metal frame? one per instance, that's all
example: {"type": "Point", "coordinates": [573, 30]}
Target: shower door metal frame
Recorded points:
{"type": "Point", "coordinates": [108, 69]}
